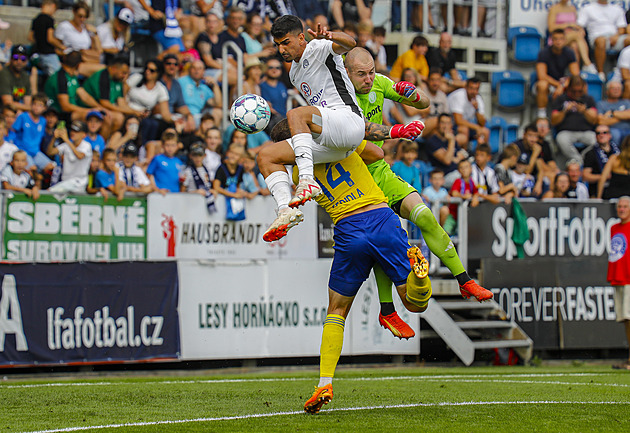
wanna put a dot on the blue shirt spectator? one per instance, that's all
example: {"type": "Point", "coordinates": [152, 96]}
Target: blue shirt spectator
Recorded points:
{"type": "Point", "coordinates": [195, 94]}
{"type": "Point", "coordinates": [276, 94]}
{"type": "Point", "coordinates": [97, 143]}
{"type": "Point", "coordinates": [409, 173]}
{"type": "Point", "coordinates": [166, 171]}
{"type": "Point", "coordinates": [29, 133]}
{"type": "Point", "coordinates": [253, 140]}
{"type": "Point", "coordinates": [104, 179]}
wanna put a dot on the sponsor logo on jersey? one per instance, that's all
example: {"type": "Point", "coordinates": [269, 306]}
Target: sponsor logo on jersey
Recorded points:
{"type": "Point", "coordinates": [305, 89]}
{"type": "Point", "coordinates": [372, 97]}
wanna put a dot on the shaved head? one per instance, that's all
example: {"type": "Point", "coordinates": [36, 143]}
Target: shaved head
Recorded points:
{"type": "Point", "coordinates": [358, 56]}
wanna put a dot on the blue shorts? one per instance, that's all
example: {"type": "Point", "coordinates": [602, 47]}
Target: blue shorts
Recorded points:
{"type": "Point", "coordinates": [363, 240]}
{"type": "Point", "coordinates": [40, 160]}
{"type": "Point", "coordinates": [167, 42]}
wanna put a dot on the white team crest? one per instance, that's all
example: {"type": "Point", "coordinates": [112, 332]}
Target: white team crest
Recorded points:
{"type": "Point", "coordinates": [618, 247]}
{"type": "Point", "coordinates": [305, 64]}
{"type": "Point", "coordinates": [372, 97]}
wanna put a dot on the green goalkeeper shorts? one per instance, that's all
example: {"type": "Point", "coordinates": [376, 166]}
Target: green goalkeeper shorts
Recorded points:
{"type": "Point", "coordinates": [393, 186]}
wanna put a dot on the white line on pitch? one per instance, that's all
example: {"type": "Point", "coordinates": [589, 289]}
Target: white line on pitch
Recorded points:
{"type": "Point", "coordinates": [343, 409]}
{"type": "Point", "coordinates": [361, 379]}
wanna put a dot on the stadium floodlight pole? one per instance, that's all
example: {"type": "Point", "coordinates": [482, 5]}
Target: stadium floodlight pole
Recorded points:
{"type": "Point", "coordinates": [239, 81]}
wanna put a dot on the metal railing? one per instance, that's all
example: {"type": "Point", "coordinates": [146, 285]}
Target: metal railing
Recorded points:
{"type": "Point", "coordinates": [224, 84]}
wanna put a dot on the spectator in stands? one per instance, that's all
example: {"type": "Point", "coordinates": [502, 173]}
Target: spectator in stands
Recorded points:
{"type": "Point", "coordinates": [15, 82]}
{"type": "Point", "coordinates": [503, 170]}
{"type": "Point", "coordinates": [251, 181]}
{"type": "Point", "coordinates": [376, 45]}
{"type": "Point", "coordinates": [412, 58]}
{"type": "Point", "coordinates": [42, 35]}
{"type": "Point", "coordinates": [615, 112]}
{"type": "Point", "coordinates": [274, 91]}
{"type": "Point", "coordinates": [257, 41]}
{"type": "Point", "coordinates": [308, 10]}
{"type": "Point", "coordinates": [250, 142]}
{"type": "Point", "coordinates": [464, 187]}
{"type": "Point", "coordinates": [229, 176]}
{"type": "Point", "coordinates": [444, 152]}
{"type": "Point", "coordinates": [200, 10]}
{"type": "Point", "coordinates": [168, 35]}
{"type": "Point", "coordinates": [595, 159]}
{"type": "Point", "coordinates": [7, 149]}
{"type": "Point", "coordinates": [577, 189]}
{"type": "Point", "coordinates": [622, 71]}
{"type": "Point", "coordinates": [232, 33]}
{"type": "Point", "coordinates": [132, 176]}
{"type": "Point", "coordinates": [176, 103]}
{"type": "Point", "coordinates": [443, 58]}
{"type": "Point", "coordinates": [607, 30]}
{"type": "Point", "coordinates": [76, 35]}
{"type": "Point", "coordinates": [107, 88]}
{"type": "Point", "coordinates": [538, 156]}
{"type": "Point", "coordinates": [165, 168]}
{"type": "Point", "coordinates": [574, 116]}
{"type": "Point", "coordinates": [484, 176]}
{"type": "Point", "coordinates": [15, 176]}
{"type": "Point", "coordinates": [552, 66]}
{"type": "Point", "coordinates": [525, 183]}
{"type": "Point", "coordinates": [128, 134]}
{"type": "Point", "coordinates": [94, 123]}
{"type": "Point", "coordinates": [9, 115]}
{"type": "Point", "coordinates": [77, 157]}
{"type": "Point", "coordinates": [29, 129]}
{"type": "Point", "coordinates": [201, 94]}
{"type": "Point", "coordinates": [438, 104]}
{"type": "Point", "coordinates": [252, 77]}
{"type": "Point", "coordinates": [354, 11]}
{"type": "Point", "coordinates": [617, 172]}
{"type": "Point", "coordinates": [206, 42]}
{"type": "Point", "coordinates": [212, 160]}
{"type": "Point", "coordinates": [114, 35]}
{"type": "Point", "coordinates": [468, 111]}
{"type": "Point", "coordinates": [197, 178]}
{"type": "Point", "coordinates": [435, 192]}
{"type": "Point", "coordinates": [62, 88]}
{"type": "Point", "coordinates": [149, 96]}
{"type": "Point", "coordinates": [563, 16]}
{"type": "Point", "coordinates": [560, 187]}
{"type": "Point", "coordinates": [107, 179]}
{"type": "Point", "coordinates": [408, 112]}
{"type": "Point", "coordinates": [405, 168]}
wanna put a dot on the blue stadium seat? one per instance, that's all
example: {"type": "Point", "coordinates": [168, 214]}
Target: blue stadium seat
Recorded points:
{"type": "Point", "coordinates": [510, 133]}
{"type": "Point", "coordinates": [496, 125]}
{"type": "Point", "coordinates": [509, 89]}
{"type": "Point", "coordinates": [595, 85]}
{"type": "Point", "coordinates": [525, 42]}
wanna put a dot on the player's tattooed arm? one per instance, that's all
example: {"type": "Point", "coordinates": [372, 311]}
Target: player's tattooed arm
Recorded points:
{"type": "Point", "coordinates": [376, 132]}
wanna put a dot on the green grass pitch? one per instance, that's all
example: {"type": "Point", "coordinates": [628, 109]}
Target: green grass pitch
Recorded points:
{"type": "Point", "coordinates": [563, 399]}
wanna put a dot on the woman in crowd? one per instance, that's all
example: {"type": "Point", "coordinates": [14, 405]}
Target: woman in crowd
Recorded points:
{"type": "Point", "coordinates": [129, 133]}
{"type": "Point", "coordinates": [563, 15]}
{"type": "Point", "coordinates": [617, 169]}
{"type": "Point", "coordinates": [257, 41]}
{"type": "Point", "coordinates": [76, 35]}
{"type": "Point", "coordinates": [149, 96]}
{"type": "Point", "coordinates": [560, 187]}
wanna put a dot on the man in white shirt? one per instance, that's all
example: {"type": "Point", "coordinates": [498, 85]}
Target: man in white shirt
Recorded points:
{"type": "Point", "coordinates": [607, 29]}
{"type": "Point", "coordinates": [333, 117]}
{"type": "Point", "coordinates": [577, 189]}
{"type": "Point", "coordinates": [76, 158]}
{"type": "Point", "coordinates": [468, 112]}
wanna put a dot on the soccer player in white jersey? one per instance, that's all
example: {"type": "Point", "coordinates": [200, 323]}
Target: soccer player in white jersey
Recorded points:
{"type": "Point", "coordinates": [327, 130]}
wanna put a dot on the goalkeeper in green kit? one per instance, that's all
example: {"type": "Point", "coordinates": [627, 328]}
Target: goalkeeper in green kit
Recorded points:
{"type": "Point", "coordinates": [371, 89]}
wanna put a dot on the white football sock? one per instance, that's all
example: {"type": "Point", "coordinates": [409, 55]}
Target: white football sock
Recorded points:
{"type": "Point", "coordinates": [280, 188]}
{"type": "Point", "coordinates": [323, 381]}
{"type": "Point", "coordinates": [303, 149]}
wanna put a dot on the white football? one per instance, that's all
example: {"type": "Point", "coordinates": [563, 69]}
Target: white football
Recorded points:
{"type": "Point", "coordinates": [250, 113]}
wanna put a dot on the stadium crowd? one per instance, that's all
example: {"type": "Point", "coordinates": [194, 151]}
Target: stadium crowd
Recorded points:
{"type": "Point", "coordinates": [78, 117]}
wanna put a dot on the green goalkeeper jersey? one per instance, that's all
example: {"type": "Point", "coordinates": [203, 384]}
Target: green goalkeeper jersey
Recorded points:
{"type": "Point", "coordinates": [372, 102]}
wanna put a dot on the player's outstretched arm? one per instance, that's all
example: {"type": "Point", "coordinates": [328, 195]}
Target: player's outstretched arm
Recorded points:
{"type": "Point", "coordinates": [413, 95]}
{"type": "Point", "coordinates": [342, 42]}
{"type": "Point", "coordinates": [376, 132]}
